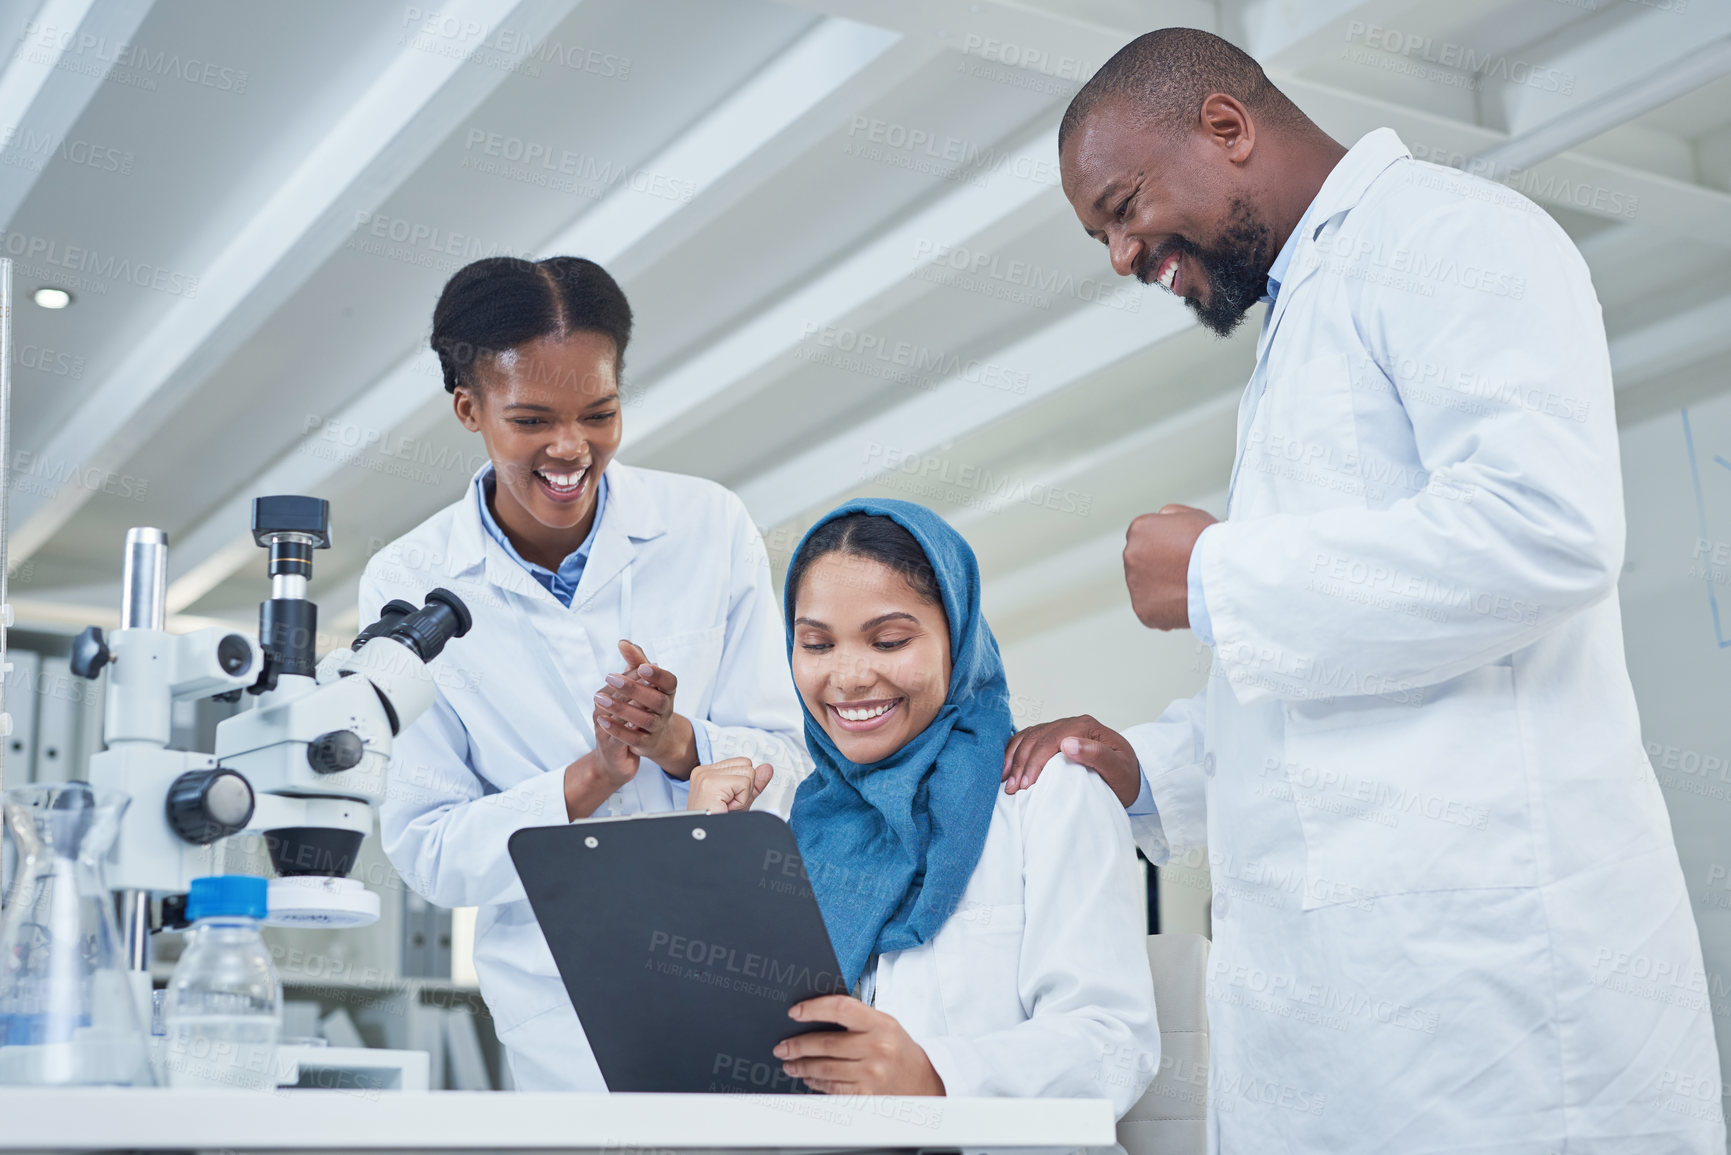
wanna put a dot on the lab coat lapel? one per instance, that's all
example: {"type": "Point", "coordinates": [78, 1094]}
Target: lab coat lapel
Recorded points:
{"type": "Point", "coordinates": [1297, 274]}
{"type": "Point", "coordinates": [599, 592]}
{"type": "Point", "coordinates": [603, 608]}
{"type": "Point", "coordinates": [473, 548]}
{"type": "Point", "coordinates": [583, 640]}
{"type": "Point", "coordinates": [1343, 189]}
{"type": "Point", "coordinates": [527, 619]}
{"type": "Point", "coordinates": [1339, 194]}
{"type": "Point", "coordinates": [606, 592]}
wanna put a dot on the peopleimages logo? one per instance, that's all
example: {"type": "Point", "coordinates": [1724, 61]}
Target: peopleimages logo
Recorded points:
{"type": "Point", "coordinates": [99, 51]}
{"type": "Point", "coordinates": [1539, 185]}
{"type": "Point", "coordinates": [938, 479]}
{"type": "Point", "coordinates": [904, 362]}
{"type": "Point", "coordinates": [47, 252]}
{"type": "Point", "coordinates": [20, 147]}
{"type": "Point", "coordinates": [1023, 282]}
{"type": "Point", "coordinates": [1449, 54]}
{"type": "Point", "coordinates": [1038, 60]}
{"type": "Point", "coordinates": [542, 163]}
{"type": "Point", "coordinates": [452, 35]}
{"type": "Point", "coordinates": [880, 140]}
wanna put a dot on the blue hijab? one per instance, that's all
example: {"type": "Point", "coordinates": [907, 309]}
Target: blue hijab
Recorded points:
{"type": "Point", "coordinates": [890, 846]}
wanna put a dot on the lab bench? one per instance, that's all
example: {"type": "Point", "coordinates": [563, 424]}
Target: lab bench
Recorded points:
{"type": "Point", "coordinates": [233, 1122]}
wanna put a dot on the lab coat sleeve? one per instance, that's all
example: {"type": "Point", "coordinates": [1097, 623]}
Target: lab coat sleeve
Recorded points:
{"type": "Point", "coordinates": [1197, 602]}
{"type": "Point", "coordinates": [1091, 1031]}
{"type": "Point", "coordinates": [443, 831]}
{"type": "Point", "coordinates": [1174, 757]}
{"type": "Point", "coordinates": [754, 712]}
{"type": "Point", "coordinates": [1520, 524]}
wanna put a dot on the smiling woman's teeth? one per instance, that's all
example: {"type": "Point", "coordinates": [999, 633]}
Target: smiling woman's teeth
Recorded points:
{"type": "Point", "coordinates": [563, 482]}
{"type": "Point", "coordinates": [863, 715]}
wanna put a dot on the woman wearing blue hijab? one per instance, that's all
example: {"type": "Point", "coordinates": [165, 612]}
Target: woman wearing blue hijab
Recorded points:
{"type": "Point", "coordinates": [994, 941]}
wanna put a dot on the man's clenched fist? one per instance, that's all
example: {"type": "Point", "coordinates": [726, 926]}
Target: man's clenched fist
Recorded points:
{"type": "Point", "coordinates": [1157, 564]}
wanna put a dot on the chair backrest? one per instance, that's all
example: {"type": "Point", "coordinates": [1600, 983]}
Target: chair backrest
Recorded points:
{"type": "Point", "coordinates": [1171, 1117]}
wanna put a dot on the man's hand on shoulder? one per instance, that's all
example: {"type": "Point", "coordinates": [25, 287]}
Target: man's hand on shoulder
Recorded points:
{"type": "Point", "coordinates": [1083, 739]}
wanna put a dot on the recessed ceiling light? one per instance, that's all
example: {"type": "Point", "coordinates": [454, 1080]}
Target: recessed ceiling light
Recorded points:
{"type": "Point", "coordinates": [52, 298]}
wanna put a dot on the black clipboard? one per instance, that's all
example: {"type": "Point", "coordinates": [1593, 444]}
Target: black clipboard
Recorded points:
{"type": "Point", "coordinates": [682, 940]}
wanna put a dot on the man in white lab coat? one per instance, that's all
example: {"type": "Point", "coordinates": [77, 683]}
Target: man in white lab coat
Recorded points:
{"type": "Point", "coordinates": [1448, 913]}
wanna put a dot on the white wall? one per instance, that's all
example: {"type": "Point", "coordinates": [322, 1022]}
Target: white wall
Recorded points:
{"type": "Point", "coordinates": [1680, 661]}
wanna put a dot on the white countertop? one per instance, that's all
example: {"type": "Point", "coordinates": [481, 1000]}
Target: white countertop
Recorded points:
{"type": "Point", "coordinates": [84, 1119]}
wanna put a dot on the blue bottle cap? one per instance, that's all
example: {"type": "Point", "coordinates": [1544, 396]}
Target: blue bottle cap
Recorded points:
{"type": "Point", "coordinates": [227, 896]}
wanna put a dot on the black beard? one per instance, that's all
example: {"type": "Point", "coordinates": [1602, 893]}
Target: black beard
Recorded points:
{"type": "Point", "coordinates": [1236, 264]}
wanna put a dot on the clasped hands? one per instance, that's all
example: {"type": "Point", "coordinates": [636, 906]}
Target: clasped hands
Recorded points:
{"type": "Point", "coordinates": [634, 719]}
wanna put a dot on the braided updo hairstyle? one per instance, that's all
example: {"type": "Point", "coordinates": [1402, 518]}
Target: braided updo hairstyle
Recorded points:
{"type": "Point", "coordinates": [499, 303]}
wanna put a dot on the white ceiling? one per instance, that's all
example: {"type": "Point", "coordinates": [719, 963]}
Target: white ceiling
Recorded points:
{"type": "Point", "coordinates": [818, 299]}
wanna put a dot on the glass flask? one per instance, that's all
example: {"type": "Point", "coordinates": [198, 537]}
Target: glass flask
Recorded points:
{"type": "Point", "coordinates": [67, 1010]}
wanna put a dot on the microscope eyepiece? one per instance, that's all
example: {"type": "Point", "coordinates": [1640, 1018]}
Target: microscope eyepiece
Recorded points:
{"type": "Point", "coordinates": [445, 597]}
{"type": "Point", "coordinates": [428, 629]}
{"type": "Point", "coordinates": [390, 614]}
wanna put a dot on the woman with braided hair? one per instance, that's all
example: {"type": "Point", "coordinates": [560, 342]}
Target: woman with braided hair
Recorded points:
{"type": "Point", "coordinates": [626, 653]}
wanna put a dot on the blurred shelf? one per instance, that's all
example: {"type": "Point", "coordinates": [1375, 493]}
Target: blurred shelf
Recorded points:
{"type": "Point", "coordinates": [160, 972]}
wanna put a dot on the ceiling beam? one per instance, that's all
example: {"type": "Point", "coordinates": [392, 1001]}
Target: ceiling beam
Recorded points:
{"type": "Point", "coordinates": [1572, 180]}
{"type": "Point", "coordinates": [41, 97]}
{"type": "Point", "coordinates": [1058, 587]}
{"type": "Point", "coordinates": [802, 77]}
{"type": "Point", "coordinates": [735, 365]}
{"type": "Point", "coordinates": [858, 84]}
{"type": "Point", "coordinates": [1291, 37]}
{"type": "Point", "coordinates": [1017, 33]}
{"type": "Point", "coordinates": [412, 107]}
{"type": "Point", "coordinates": [1069, 350]}
{"type": "Point", "coordinates": [1010, 598]}
{"type": "Point", "coordinates": [1579, 72]}
{"type": "Point", "coordinates": [1149, 443]}
{"type": "Point", "coordinates": [1667, 80]}
{"type": "Point", "coordinates": [1608, 248]}
{"type": "Point", "coordinates": [1679, 341]}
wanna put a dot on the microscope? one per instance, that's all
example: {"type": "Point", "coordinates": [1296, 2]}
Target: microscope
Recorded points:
{"type": "Point", "coordinates": [304, 767]}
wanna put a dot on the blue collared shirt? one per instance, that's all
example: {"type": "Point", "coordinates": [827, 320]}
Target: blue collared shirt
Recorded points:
{"type": "Point", "coordinates": [1283, 260]}
{"type": "Point", "coordinates": [561, 584]}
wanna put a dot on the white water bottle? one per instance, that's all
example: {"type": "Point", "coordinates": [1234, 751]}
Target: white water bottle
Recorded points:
{"type": "Point", "coordinates": [224, 1006]}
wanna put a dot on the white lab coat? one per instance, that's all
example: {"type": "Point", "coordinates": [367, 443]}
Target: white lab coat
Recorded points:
{"type": "Point", "coordinates": [1448, 910]}
{"type": "Point", "coordinates": [677, 567]}
{"type": "Point", "coordinates": [1038, 984]}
